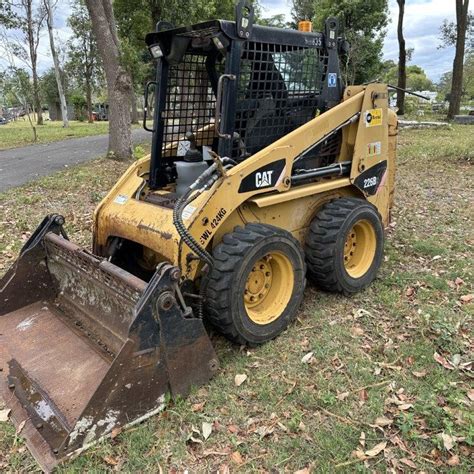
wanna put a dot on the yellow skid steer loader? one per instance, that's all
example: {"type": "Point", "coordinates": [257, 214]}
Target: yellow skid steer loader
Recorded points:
{"type": "Point", "coordinates": [264, 169]}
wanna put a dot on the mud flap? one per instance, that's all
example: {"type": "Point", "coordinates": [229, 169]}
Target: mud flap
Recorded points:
{"type": "Point", "coordinates": [86, 347]}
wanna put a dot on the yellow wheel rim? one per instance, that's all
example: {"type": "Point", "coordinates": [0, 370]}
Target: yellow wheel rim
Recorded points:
{"type": "Point", "coordinates": [359, 249]}
{"type": "Point", "coordinates": [268, 288]}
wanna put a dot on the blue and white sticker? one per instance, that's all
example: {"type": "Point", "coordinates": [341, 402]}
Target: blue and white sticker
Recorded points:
{"type": "Point", "coordinates": [332, 79]}
{"type": "Point", "coordinates": [121, 199]}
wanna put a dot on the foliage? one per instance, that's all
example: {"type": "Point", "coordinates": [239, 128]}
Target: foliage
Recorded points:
{"type": "Point", "coordinates": [16, 87]}
{"type": "Point", "coordinates": [468, 78]}
{"type": "Point", "coordinates": [80, 106]}
{"type": "Point", "coordinates": [417, 79]}
{"type": "Point", "coordinates": [363, 23]}
{"type": "Point", "coordinates": [83, 65]}
{"type": "Point", "coordinates": [448, 33]}
{"type": "Point", "coordinates": [49, 86]}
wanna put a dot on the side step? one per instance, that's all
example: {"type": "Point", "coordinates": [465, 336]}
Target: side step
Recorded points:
{"type": "Point", "coordinates": [86, 347]}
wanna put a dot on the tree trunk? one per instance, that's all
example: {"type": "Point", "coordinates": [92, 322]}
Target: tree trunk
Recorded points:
{"type": "Point", "coordinates": [119, 84]}
{"type": "Point", "coordinates": [90, 118]}
{"type": "Point", "coordinates": [133, 98]}
{"type": "Point", "coordinates": [462, 9]}
{"type": "Point", "coordinates": [33, 57]}
{"type": "Point", "coordinates": [402, 60]}
{"type": "Point", "coordinates": [54, 54]}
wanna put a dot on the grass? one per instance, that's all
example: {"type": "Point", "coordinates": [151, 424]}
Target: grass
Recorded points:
{"type": "Point", "coordinates": [372, 378]}
{"type": "Point", "coordinates": [19, 133]}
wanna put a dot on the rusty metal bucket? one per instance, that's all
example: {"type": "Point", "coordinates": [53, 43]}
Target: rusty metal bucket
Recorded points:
{"type": "Point", "coordinates": [86, 347]}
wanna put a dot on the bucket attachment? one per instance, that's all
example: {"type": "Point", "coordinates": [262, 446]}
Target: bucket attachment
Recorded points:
{"type": "Point", "coordinates": [86, 347]}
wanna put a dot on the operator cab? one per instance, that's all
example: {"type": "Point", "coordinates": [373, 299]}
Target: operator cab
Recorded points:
{"type": "Point", "coordinates": [233, 88]}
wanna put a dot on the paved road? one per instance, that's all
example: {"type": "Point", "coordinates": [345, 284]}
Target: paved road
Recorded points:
{"type": "Point", "coordinates": [21, 165]}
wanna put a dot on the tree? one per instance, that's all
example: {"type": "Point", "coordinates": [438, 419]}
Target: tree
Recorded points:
{"type": "Point", "coordinates": [57, 71]}
{"type": "Point", "coordinates": [416, 78]}
{"type": "Point", "coordinates": [363, 23]}
{"type": "Point", "coordinates": [135, 18]}
{"type": "Point", "coordinates": [302, 10]}
{"type": "Point", "coordinates": [402, 59]}
{"type": "Point", "coordinates": [463, 25]}
{"type": "Point", "coordinates": [119, 83]}
{"type": "Point", "coordinates": [28, 22]}
{"type": "Point", "coordinates": [82, 52]}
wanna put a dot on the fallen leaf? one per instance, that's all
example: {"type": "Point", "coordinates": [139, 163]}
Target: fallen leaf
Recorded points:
{"type": "Point", "coordinates": [4, 414]}
{"type": "Point", "coordinates": [306, 359]}
{"type": "Point", "coordinates": [458, 282]}
{"type": "Point", "coordinates": [453, 460]}
{"type": "Point", "coordinates": [237, 458]}
{"type": "Point", "coordinates": [405, 406]}
{"type": "Point", "coordinates": [223, 469]}
{"type": "Point", "coordinates": [115, 432]}
{"type": "Point", "coordinates": [456, 360]}
{"type": "Point", "coordinates": [198, 406]}
{"type": "Point", "coordinates": [240, 379]}
{"type": "Point", "coordinates": [377, 449]}
{"type": "Point", "coordinates": [470, 394]}
{"type": "Point", "coordinates": [357, 331]}
{"type": "Point", "coordinates": [363, 395]}
{"type": "Point", "coordinates": [465, 299]}
{"type": "Point", "coordinates": [264, 431]}
{"type": "Point", "coordinates": [20, 427]}
{"type": "Point", "coordinates": [233, 428]}
{"type": "Point", "coordinates": [448, 441]}
{"type": "Point", "coordinates": [410, 291]}
{"type": "Point", "coordinates": [382, 421]}
{"type": "Point", "coordinates": [408, 463]}
{"type": "Point", "coordinates": [436, 257]}
{"type": "Point", "coordinates": [305, 470]}
{"type": "Point", "coordinates": [206, 430]}
{"type": "Point", "coordinates": [442, 361]}
{"type": "Point", "coordinates": [362, 439]}
{"type": "Point", "coordinates": [111, 461]}
{"type": "Point", "coordinates": [342, 396]}
{"type": "Point", "coordinates": [419, 374]}
{"type": "Point", "coordinates": [359, 454]}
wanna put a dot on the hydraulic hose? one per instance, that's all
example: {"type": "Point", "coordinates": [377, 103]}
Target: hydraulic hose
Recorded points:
{"type": "Point", "coordinates": [204, 181]}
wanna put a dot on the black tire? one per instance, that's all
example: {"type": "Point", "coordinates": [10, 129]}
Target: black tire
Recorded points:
{"type": "Point", "coordinates": [235, 258]}
{"type": "Point", "coordinates": [327, 241]}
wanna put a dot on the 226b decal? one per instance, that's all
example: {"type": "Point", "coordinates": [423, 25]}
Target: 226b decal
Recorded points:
{"type": "Point", "coordinates": [369, 181]}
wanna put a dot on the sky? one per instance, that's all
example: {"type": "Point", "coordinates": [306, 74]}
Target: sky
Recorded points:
{"type": "Point", "coordinates": [422, 21]}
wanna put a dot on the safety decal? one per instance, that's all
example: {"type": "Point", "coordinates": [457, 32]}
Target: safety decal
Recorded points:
{"type": "Point", "coordinates": [373, 117]}
{"type": "Point", "coordinates": [332, 79]}
{"type": "Point", "coordinates": [374, 149]}
{"type": "Point", "coordinates": [188, 211]}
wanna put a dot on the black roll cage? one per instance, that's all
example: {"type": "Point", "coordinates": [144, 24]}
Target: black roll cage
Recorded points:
{"type": "Point", "coordinates": [198, 39]}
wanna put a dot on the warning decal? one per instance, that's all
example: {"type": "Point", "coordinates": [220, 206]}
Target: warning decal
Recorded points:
{"type": "Point", "coordinates": [374, 149]}
{"type": "Point", "coordinates": [373, 117]}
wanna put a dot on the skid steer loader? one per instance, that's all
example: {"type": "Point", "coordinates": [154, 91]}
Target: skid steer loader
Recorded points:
{"type": "Point", "coordinates": [264, 169]}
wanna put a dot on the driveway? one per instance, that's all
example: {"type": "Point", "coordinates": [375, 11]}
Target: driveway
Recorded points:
{"type": "Point", "coordinates": [21, 165]}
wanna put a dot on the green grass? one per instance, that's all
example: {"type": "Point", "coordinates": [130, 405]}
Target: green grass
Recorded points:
{"type": "Point", "coordinates": [372, 353]}
{"type": "Point", "coordinates": [19, 133]}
